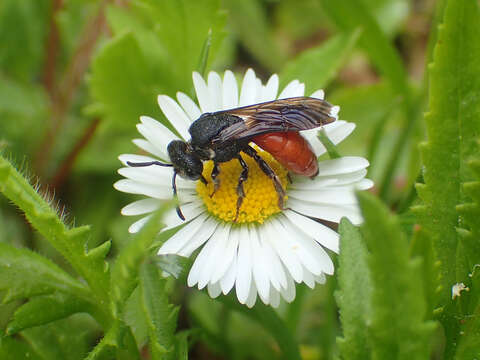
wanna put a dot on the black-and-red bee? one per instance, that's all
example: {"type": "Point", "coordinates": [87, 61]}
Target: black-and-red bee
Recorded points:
{"type": "Point", "coordinates": [274, 126]}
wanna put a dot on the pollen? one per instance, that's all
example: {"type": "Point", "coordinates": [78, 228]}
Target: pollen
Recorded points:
{"type": "Point", "coordinates": [261, 199]}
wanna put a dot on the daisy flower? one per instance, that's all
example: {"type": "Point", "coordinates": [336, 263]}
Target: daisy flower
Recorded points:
{"type": "Point", "coordinates": [267, 249]}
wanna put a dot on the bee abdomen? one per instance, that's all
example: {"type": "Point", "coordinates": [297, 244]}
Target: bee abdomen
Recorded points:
{"type": "Point", "coordinates": [291, 150]}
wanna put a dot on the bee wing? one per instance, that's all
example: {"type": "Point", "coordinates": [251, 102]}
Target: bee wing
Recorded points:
{"type": "Point", "coordinates": [291, 114]}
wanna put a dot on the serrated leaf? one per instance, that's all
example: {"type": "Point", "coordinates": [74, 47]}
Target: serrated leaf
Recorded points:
{"type": "Point", "coordinates": [118, 343]}
{"type": "Point", "coordinates": [353, 297]}
{"type": "Point", "coordinates": [70, 242]}
{"type": "Point", "coordinates": [124, 275]}
{"type": "Point", "coordinates": [453, 124]}
{"type": "Point", "coordinates": [44, 309]}
{"type": "Point", "coordinates": [317, 66]}
{"type": "Point", "coordinates": [161, 316]}
{"type": "Point", "coordinates": [24, 273]}
{"type": "Point", "coordinates": [398, 329]}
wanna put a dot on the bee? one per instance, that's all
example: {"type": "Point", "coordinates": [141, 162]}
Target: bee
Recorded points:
{"type": "Point", "coordinates": [274, 126]}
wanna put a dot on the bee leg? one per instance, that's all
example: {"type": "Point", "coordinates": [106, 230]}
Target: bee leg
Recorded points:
{"type": "Point", "coordinates": [174, 187]}
{"type": "Point", "coordinates": [215, 179]}
{"type": "Point", "coordinates": [289, 178]}
{"type": "Point", "coordinates": [269, 172]}
{"type": "Point", "coordinates": [240, 191]}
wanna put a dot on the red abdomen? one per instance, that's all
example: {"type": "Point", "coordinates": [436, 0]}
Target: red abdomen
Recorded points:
{"type": "Point", "coordinates": [291, 150]}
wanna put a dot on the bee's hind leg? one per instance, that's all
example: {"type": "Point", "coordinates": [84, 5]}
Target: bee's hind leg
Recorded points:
{"type": "Point", "coordinates": [215, 179]}
{"type": "Point", "coordinates": [269, 172]}
{"type": "Point", "coordinates": [240, 190]}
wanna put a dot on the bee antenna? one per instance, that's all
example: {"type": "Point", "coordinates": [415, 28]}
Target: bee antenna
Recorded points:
{"type": "Point", "coordinates": [139, 164]}
{"type": "Point", "coordinates": [174, 187]}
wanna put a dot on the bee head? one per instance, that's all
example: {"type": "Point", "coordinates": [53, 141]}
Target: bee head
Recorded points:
{"type": "Point", "coordinates": [185, 162]}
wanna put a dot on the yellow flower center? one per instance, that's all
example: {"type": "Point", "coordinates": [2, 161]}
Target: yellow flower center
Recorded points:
{"type": "Point", "coordinates": [261, 199]}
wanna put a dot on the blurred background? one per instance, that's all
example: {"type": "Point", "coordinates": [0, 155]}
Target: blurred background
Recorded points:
{"type": "Point", "coordinates": [75, 75]}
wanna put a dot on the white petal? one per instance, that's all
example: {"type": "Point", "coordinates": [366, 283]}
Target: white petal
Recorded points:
{"type": "Point", "coordinates": [319, 94]}
{"type": "Point", "coordinates": [252, 296]}
{"type": "Point", "coordinates": [290, 90]}
{"type": "Point", "coordinates": [158, 134]}
{"type": "Point", "coordinates": [215, 90]}
{"type": "Point", "coordinates": [141, 207]}
{"type": "Point", "coordinates": [276, 239]}
{"type": "Point", "coordinates": [191, 109]}
{"type": "Point", "coordinates": [183, 236]}
{"type": "Point", "coordinates": [214, 290]}
{"type": "Point", "coordinates": [230, 91]}
{"type": "Point", "coordinates": [340, 132]}
{"type": "Point", "coordinates": [269, 92]}
{"type": "Point", "coordinates": [205, 232]}
{"type": "Point", "coordinates": [260, 271]}
{"type": "Point", "coordinates": [274, 297]}
{"type": "Point", "coordinates": [228, 280]}
{"type": "Point", "coordinates": [225, 259]}
{"type": "Point", "coordinates": [289, 293]}
{"type": "Point", "coordinates": [276, 272]}
{"type": "Point", "coordinates": [258, 90]}
{"type": "Point", "coordinates": [137, 225]}
{"type": "Point", "coordinates": [327, 212]}
{"type": "Point", "coordinates": [343, 165]}
{"type": "Point", "coordinates": [300, 89]}
{"type": "Point", "coordinates": [203, 257]}
{"type": "Point", "coordinates": [308, 278]}
{"type": "Point", "coordinates": [134, 187]}
{"type": "Point", "coordinates": [174, 114]}
{"type": "Point", "coordinates": [244, 266]}
{"type": "Point", "coordinates": [336, 131]}
{"type": "Point", "coordinates": [248, 92]}
{"type": "Point", "coordinates": [321, 233]}
{"type": "Point", "coordinates": [334, 195]}
{"type": "Point", "coordinates": [203, 94]}
{"type": "Point", "coordinates": [153, 175]}
{"type": "Point", "coordinates": [312, 256]}
{"type": "Point", "coordinates": [150, 148]}
{"type": "Point", "coordinates": [219, 242]}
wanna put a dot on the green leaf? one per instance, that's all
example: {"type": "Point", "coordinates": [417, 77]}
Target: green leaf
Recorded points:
{"type": "Point", "coordinates": [350, 15]}
{"type": "Point", "coordinates": [398, 308]}
{"type": "Point", "coordinates": [269, 319]}
{"type": "Point", "coordinates": [354, 294]}
{"type": "Point", "coordinates": [453, 125]}
{"type": "Point", "coordinates": [160, 315]}
{"type": "Point", "coordinates": [203, 59]}
{"type": "Point", "coordinates": [70, 242]}
{"type": "Point", "coordinates": [317, 66]}
{"type": "Point", "coordinates": [124, 83]}
{"type": "Point", "coordinates": [124, 275]}
{"type": "Point", "coordinates": [30, 19]}
{"type": "Point", "coordinates": [24, 273]}
{"type": "Point", "coordinates": [118, 343]}
{"type": "Point", "coordinates": [249, 22]}
{"type": "Point", "coordinates": [65, 339]}
{"type": "Point", "coordinates": [469, 342]}
{"type": "Point", "coordinates": [44, 309]}
{"type": "Point", "coordinates": [171, 35]}
{"type": "Point", "coordinates": [12, 349]}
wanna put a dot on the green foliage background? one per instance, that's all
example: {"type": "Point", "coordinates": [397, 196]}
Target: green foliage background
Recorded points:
{"type": "Point", "coordinates": [75, 75]}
